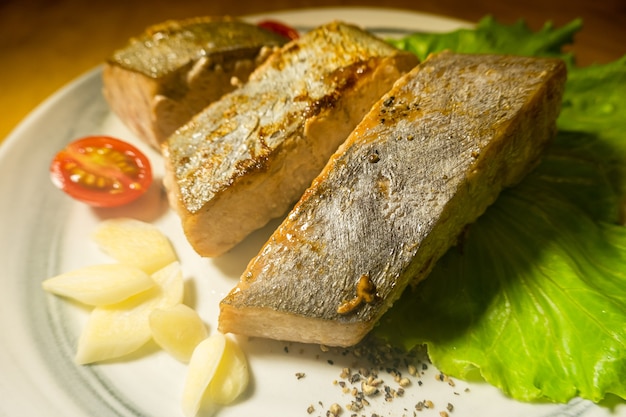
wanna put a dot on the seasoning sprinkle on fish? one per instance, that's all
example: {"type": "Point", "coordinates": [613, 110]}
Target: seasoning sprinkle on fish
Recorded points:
{"type": "Point", "coordinates": [173, 70]}
{"type": "Point", "coordinates": [479, 121]}
{"type": "Point", "coordinates": [249, 156]}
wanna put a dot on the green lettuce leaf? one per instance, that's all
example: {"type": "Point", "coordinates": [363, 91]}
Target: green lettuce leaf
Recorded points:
{"type": "Point", "coordinates": [594, 103]}
{"type": "Point", "coordinates": [534, 299]}
{"type": "Point", "coordinates": [490, 36]}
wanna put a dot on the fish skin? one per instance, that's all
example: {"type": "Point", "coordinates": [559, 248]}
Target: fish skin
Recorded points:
{"type": "Point", "coordinates": [174, 69]}
{"type": "Point", "coordinates": [427, 160]}
{"type": "Point", "coordinates": [248, 157]}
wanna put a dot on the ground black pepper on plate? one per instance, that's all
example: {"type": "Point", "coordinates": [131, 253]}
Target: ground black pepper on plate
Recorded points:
{"type": "Point", "coordinates": [381, 375]}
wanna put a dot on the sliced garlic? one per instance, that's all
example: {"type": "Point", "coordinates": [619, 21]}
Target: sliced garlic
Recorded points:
{"type": "Point", "coordinates": [217, 375]}
{"type": "Point", "coordinates": [177, 330]}
{"type": "Point", "coordinates": [231, 377]}
{"type": "Point", "coordinates": [119, 329]}
{"type": "Point", "coordinates": [99, 285]}
{"type": "Point", "coordinates": [133, 242]}
{"type": "Point", "coordinates": [202, 367]}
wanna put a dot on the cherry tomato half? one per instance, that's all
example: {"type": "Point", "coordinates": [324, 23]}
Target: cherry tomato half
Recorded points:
{"type": "Point", "coordinates": [101, 171]}
{"type": "Point", "coordinates": [279, 28]}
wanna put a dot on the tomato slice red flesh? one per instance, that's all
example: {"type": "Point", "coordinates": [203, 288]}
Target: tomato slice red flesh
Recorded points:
{"type": "Point", "coordinates": [101, 171]}
{"type": "Point", "coordinates": [279, 28]}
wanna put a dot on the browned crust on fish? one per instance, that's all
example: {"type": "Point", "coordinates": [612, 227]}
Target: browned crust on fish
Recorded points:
{"type": "Point", "coordinates": [237, 165]}
{"type": "Point", "coordinates": [156, 90]}
{"type": "Point", "coordinates": [427, 160]}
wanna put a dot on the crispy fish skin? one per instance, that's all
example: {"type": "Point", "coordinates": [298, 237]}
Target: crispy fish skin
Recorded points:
{"type": "Point", "coordinates": [248, 157]}
{"type": "Point", "coordinates": [161, 78]}
{"type": "Point", "coordinates": [427, 160]}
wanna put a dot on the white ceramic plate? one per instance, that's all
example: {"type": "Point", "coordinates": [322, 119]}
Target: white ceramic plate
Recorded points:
{"type": "Point", "coordinates": [44, 233]}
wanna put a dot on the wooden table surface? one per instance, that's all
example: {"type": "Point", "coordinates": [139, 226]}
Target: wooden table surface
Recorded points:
{"type": "Point", "coordinates": [44, 44]}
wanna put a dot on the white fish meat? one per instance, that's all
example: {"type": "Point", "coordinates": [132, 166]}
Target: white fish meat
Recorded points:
{"type": "Point", "coordinates": [173, 70]}
{"type": "Point", "coordinates": [425, 162]}
{"type": "Point", "coordinates": [249, 156]}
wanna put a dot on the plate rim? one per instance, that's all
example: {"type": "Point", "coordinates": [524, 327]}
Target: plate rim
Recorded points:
{"type": "Point", "coordinates": [12, 140]}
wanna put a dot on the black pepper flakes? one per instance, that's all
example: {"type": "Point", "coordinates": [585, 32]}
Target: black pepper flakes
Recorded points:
{"type": "Point", "coordinates": [388, 375]}
{"type": "Point", "coordinates": [389, 101]}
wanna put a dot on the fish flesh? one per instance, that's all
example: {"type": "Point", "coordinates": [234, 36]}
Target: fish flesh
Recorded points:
{"type": "Point", "coordinates": [249, 156]}
{"type": "Point", "coordinates": [173, 70]}
{"type": "Point", "coordinates": [425, 162]}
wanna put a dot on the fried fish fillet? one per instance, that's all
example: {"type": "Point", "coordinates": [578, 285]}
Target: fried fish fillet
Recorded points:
{"type": "Point", "coordinates": [249, 156]}
{"type": "Point", "coordinates": [425, 162]}
{"type": "Point", "coordinates": [174, 69]}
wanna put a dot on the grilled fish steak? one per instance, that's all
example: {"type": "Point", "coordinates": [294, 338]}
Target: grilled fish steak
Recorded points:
{"type": "Point", "coordinates": [425, 162]}
{"type": "Point", "coordinates": [249, 156]}
{"type": "Point", "coordinates": [157, 82]}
